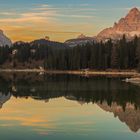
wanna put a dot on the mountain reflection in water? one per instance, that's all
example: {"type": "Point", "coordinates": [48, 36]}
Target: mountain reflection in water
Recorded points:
{"type": "Point", "coordinates": [110, 94]}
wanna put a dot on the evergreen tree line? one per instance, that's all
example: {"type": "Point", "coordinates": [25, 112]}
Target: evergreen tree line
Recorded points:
{"type": "Point", "coordinates": [121, 54]}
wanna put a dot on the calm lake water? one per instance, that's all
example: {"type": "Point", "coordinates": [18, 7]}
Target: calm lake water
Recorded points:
{"type": "Point", "coordinates": [52, 107]}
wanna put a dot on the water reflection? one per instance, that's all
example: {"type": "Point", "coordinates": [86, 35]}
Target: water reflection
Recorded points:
{"type": "Point", "coordinates": [4, 98]}
{"type": "Point", "coordinates": [131, 115]}
{"type": "Point", "coordinates": [110, 94]}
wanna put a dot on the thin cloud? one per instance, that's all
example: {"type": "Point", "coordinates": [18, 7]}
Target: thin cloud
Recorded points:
{"type": "Point", "coordinates": [8, 13]}
{"type": "Point", "coordinates": [43, 20]}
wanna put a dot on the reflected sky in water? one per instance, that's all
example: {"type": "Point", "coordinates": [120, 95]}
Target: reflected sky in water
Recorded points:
{"type": "Point", "coordinates": [67, 115]}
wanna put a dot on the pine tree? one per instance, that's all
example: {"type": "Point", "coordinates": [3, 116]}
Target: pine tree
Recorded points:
{"type": "Point", "coordinates": [138, 54]}
{"type": "Point", "coordinates": [114, 57]}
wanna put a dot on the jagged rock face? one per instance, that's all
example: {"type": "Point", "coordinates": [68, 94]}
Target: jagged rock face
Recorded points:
{"type": "Point", "coordinates": [130, 115]}
{"type": "Point", "coordinates": [4, 40]}
{"type": "Point", "coordinates": [130, 26]}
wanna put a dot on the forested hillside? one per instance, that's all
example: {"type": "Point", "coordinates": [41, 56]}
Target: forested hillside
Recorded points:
{"type": "Point", "coordinates": [121, 54]}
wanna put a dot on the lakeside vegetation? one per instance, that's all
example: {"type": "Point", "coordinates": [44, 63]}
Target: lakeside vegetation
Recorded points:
{"type": "Point", "coordinates": [120, 55]}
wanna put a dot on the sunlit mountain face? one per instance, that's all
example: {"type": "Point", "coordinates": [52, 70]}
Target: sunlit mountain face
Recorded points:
{"type": "Point", "coordinates": [60, 20]}
{"type": "Point", "coordinates": [50, 106]}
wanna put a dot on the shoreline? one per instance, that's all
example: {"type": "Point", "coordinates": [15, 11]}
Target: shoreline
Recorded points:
{"type": "Point", "coordinates": [75, 72]}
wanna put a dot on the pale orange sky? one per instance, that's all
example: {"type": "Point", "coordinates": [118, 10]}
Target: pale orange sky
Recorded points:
{"type": "Point", "coordinates": [60, 20]}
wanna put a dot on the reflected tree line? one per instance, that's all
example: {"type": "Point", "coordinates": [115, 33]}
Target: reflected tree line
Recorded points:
{"type": "Point", "coordinates": [87, 90]}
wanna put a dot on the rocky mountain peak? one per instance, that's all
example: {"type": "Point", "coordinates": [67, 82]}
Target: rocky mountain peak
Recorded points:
{"type": "Point", "coordinates": [134, 11]}
{"type": "Point", "coordinates": [133, 15]}
{"type": "Point", "coordinates": [129, 25]}
{"type": "Point", "coordinates": [81, 36]}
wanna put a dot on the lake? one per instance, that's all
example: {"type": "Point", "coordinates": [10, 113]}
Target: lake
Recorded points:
{"type": "Point", "coordinates": [52, 107]}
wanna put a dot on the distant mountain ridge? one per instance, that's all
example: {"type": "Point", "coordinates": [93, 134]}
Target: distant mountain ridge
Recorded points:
{"type": "Point", "coordinates": [80, 40]}
{"type": "Point", "coordinates": [47, 42]}
{"type": "Point", "coordinates": [42, 41]}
